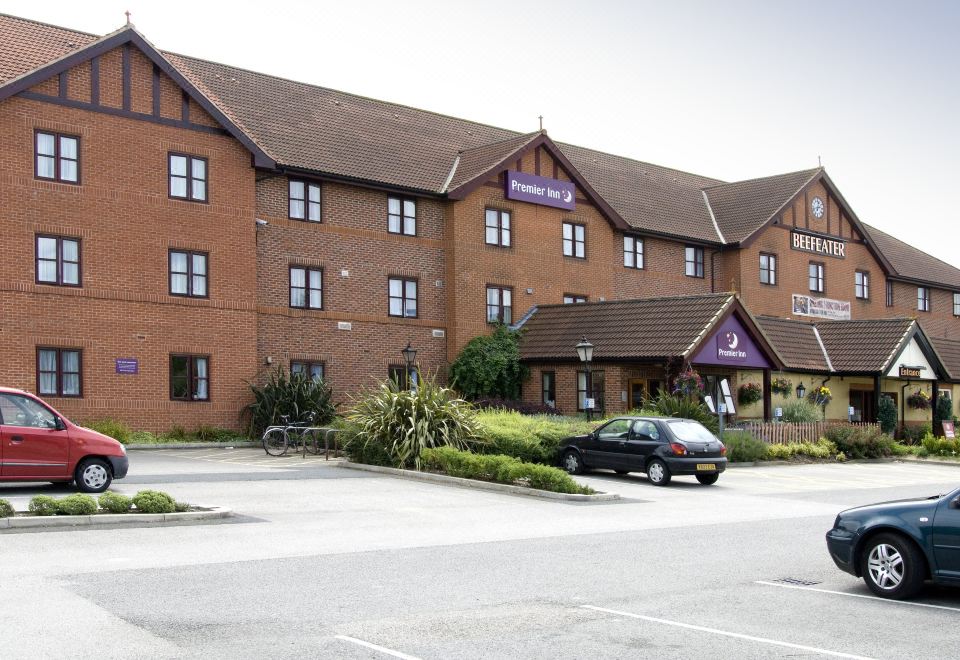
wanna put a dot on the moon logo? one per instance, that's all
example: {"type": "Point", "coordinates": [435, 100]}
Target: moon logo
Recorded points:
{"type": "Point", "coordinates": [732, 340]}
{"type": "Point", "coordinates": [567, 196]}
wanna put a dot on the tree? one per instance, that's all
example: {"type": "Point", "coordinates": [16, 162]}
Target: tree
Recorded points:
{"type": "Point", "coordinates": [942, 412]}
{"type": "Point", "coordinates": [887, 414]}
{"type": "Point", "coordinates": [489, 366]}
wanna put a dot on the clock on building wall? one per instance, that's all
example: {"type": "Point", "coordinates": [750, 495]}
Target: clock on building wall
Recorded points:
{"type": "Point", "coordinates": [817, 207]}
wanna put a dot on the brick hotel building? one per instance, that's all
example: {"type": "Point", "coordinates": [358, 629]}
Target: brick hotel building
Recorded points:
{"type": "Point", "coordinates": [174, 227]}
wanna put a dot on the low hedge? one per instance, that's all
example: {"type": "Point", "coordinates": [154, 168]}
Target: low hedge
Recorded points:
{"type": "Point", "coordinates": [6, 509]}
{"type": "Point", "coordinates": [154, 501]}
{"type": "Point", "coordinates": [77, 504]}
{"type": "Point", "coordinates": [80, 504]}
{"type": "Point", "coordinates": [115, 502]}
{"type": "Point", "coordinates": [529, 438]}
{"type": "Point", "coordinates": [742, 447]}
{"type": "Point", "coordinates": [940, 446]}
{"type": "Point", "coordinates": [501, 469]}
{"type": "Point", "coordinates": [861, 442]}
{"type": "Point", "coordinates": [42, 505]}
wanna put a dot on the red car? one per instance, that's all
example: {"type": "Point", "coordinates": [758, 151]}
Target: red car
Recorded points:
{"type": "Point", "coordinates": [39, 444]}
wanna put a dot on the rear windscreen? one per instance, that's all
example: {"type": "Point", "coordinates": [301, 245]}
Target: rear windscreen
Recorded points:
{"type": "Point", "coordinates": [691, 432]}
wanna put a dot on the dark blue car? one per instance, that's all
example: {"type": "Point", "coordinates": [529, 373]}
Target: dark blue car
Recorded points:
{"type": "Point", "coordinates": [895, 546]}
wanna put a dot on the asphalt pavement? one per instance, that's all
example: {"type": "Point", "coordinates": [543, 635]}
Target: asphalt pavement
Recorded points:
{"type": "Point", "coordinates": [323, 561]}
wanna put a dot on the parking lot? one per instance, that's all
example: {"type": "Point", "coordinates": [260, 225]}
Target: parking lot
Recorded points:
{"type": "Point", "coordinates": [323, 561]}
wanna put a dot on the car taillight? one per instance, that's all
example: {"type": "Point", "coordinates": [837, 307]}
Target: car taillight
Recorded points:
{"type": "Point", "coordinates": [678, 449]}
{"type": "Point", "coordinates": [723, 449]}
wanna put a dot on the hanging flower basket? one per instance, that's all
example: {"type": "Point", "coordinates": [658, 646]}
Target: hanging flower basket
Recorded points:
{"type": "Point", "coordinates": [749, 393]}
{"type": "Point", "coordinates": [782, 386]}
{"type": "Point", "coordinates": [688, 383]}
{"type": "Point", "coordinates": [820, 396]}
{"type": "Point", "coordinates": [919, 400]}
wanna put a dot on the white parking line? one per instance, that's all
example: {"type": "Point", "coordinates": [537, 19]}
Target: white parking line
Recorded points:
{"type": "Point", "coordinates": [750, 638]}
{"type": "Point", "coordinates": [843, 593]}
{"type": "Point", "coordinates": [382, 649]}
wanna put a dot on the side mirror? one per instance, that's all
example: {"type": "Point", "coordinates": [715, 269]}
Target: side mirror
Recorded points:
{"type": "Point", "coordinates": [955, 502]}
{"type": "Point", "coordinates": [58, 424]}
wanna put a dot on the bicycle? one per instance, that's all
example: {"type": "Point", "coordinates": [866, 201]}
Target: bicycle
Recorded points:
{"type": "Point", "coordinates": [277, 440]}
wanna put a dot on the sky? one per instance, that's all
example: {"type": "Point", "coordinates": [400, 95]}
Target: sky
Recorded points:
{"type": "Point", "coordinates": [731, 89]}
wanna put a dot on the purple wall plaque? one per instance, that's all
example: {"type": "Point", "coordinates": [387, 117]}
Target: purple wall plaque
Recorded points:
{"type": "Point", "coordinates": [731, 345]}
{"type": "Point", "coordinates": [128, 366]}
{"type": "Point", "coordinates": [540, 190]}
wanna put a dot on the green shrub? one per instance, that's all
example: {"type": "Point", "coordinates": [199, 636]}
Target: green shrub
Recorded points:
{"type": "Point", "coordinates": [114, 428]}
{"type": "Point", "coordinates": [115, 502]}
{"type": "Point", "coordinates": [181, 507]}
{"type": "Point", "coordinates": [489, 366]}
{"type": "Point", "coordinates": [668, 405]}
{"type": "Point", "coordinates": [887, 415]}
{"type": "Point", "coordinates": [800, 411]}
{"type": "Point", "coordinates": [295, 396]}
{"type": "Point", "coordinates": [176, 433]}
{"type": "Point", "coordinates": [154, 501]}
{"type": "Point", "coordinates": [743, 447]}
{"type": "Point", "coordinates": [942, 411]}
{"type": "Point", "coordinates": [913, 434]}
{"type": "Point", "coordinates": [6, 509]}
{"type": "Point", "coordinates": [940, 446]}
{"type": "Point", "coordinates": [501, 469]}
{"type": "Point", "coordinates": [405, 422]}
{"type": "Point", "coordinates": [77, 504]}
{"type": "Point", "coordinates": [530, 438]}
{"type": "Point", "coordinates": [822, 449]}
{"type": "Point", "coordinates": [212, 434]}
{"type": "Point", "coordinates": [860, 441]}
{"type": "Point", "coordinates": [42, 505]}
{"type": "Point", "coordinates": [143, 438]}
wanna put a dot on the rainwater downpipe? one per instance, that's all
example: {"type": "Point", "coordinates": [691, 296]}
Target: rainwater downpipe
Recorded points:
{"type": "Point", "coordinates": [903, 419]}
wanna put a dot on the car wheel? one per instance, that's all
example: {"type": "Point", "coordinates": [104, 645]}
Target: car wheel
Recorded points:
{"type": "Point", "coordinates": [708, 479]}
{"type": "Point", "coordinates": [93, 475]}
{"type": "Point", "coordinates": [572, 462]}
{"type": "Point", "coordinates": [892, 566]}
{"type": "Point", "coordinates": [658, 473]}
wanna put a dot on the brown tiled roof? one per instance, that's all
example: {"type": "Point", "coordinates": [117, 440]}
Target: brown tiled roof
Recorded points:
{"type": "Point", "coordinates": [743, 207]}
{"type": "Point", "coordinates": [475, 162]}
{"type": "Point", "coordinates": [796, 342]}
{"type": "Point", "coordinates": [912, 263]}
{"type": "Point", "coordinates": [26, 45]}
{"type": "Point", "coordinates": [623, 329]}
{"type": "Point", "coordinates": [949, 352]}
{"type": "Point", "coordinates": [863, 346]}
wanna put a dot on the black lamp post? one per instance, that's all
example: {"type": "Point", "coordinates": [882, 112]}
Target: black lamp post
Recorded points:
{"type": "Point", "coordinates": [801, 390]}
{"type": "Point", "coordinates": [409, 355]}
{"type": "Point", "coordinates": [585, 353]}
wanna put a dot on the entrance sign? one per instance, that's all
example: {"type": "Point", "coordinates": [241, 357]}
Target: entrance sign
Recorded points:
{"type": "Point", "coordinates": [540, 190]}
{"type": "Point", "coordinates": [911, 372]}
{"type": "Point", "coordinates": [127, 366]}
{"type": "Point", "coordinates": [830, 247]}
{"type": "Point", "coordinates": [824, 308]}
{"type": "Point", "coordinates": [588, 404]}
{"type": "Point", "coordinates": [948, 430]}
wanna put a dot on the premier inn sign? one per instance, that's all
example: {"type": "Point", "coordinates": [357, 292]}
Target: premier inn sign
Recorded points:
{"type": "Point", "coordinates": [830, 247]}
{"type": "Point", "coordinates": [540, 190]}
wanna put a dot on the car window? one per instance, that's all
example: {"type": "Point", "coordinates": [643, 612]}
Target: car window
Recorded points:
{"type": "Point", "coordinates": [618, 428]}
{"type": "Point", "coordinates": [16, 410]}
{"type": "Point", "coordinates": [691, 431]}
{"type": "Point", "coordinates": [648, 429]}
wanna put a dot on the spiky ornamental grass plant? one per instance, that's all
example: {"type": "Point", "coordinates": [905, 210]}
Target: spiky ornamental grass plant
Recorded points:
{"type": "Point", "coordinates": [400, 423]}
{"type": "Point", "coordinates": [294, 395]}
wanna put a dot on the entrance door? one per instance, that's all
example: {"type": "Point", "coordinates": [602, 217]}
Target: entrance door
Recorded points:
{"type": "Point", "coordinates": [864, 406]}
{"type": "Point", "coordinates": [638, 392]}
{"type": "Point", "coordinates": [32, 444]}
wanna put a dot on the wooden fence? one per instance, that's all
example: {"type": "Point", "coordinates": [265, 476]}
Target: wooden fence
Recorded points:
{"type": "Point", "coordinates": [781, 433]}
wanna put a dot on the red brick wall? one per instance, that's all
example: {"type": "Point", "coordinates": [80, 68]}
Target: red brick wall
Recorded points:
{"type": "Point", "coordinates": [126, 223]}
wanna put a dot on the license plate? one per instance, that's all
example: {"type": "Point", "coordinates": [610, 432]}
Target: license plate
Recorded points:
{"type": "Point", "coordinates": [706, 466]}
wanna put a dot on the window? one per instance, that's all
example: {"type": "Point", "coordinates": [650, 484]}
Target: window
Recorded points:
{"type": "Point", "coordinates": [923, 299]}
{"type": "Point", "coordinates": [304, 201]}
{"type": "Point", "coordinates": [58, 260]}
{"type": "Point", "coordinates": [596, 391]}
{"type": "Point", "coordinates": [574, 240]}
{"type": "Point", "coordinates": [571, 298]}
{"type": "Point", "coordinates": [57, 157]}
{"type": "Point", "coordinates": [768, 269]}
{"type": "Point", "coordinates": [306, 287]}
{"type": "Point", "coordinates": [398, 374]}
{"type": "Point", "coordinates": [497, 227]}
{"type": "Point", "coordinates": [618, 429]}
{"type": "Point", "coordinates": [59, 372]}
{"type": "Point", "coordinates": [403, 297]}
{"type": "Point", "coordinates": [816, 277]}
{"type": "Point", "coordinates": [18, 410]}
{"type": "Point", "coordinates": [861, 285]}
{"type": "Point", "coordinates": [312, 369]}
{"type": "Point", "coordinates": [956, 304]}
{"type": "Point", "coordinates": [188, 177]}
{"type": "Point", "coordinates": [633, 252]}
{"type": "Point", "coordinates": [402, 216]}
{"type": "Point", "coordinates": [889, 293]}
{"type": "Point", "coordinates": [499, 304]}
{"type": "Point", "coordinates": [188, 274]}
{"type": "Point", "coordinates": [190, 377]}
{"type": "Point", "coordinates": [548, 382]}
{"type": "Point", "coordinates": [694, 262]}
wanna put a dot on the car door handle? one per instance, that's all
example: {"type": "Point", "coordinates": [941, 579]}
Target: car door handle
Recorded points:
{"type": "Point", "coordinates": [16, 438]}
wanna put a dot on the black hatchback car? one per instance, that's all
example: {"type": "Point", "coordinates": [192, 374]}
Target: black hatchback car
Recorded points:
{"type": "Point", "coordinates": [895, 546]}
{"type": "Point", "coordinates": [663, 447]}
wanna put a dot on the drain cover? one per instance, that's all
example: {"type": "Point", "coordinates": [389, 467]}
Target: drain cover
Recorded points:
{"type": "Point", "coordinates": [797, 582]}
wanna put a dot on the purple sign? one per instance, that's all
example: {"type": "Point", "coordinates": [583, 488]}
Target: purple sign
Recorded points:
{"type": "Point", "coordinates": [128, 366]}
{"type": "Point", "coordinates": [540, 190]}
{"type": "Point", "coordinates": [731, 345]}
